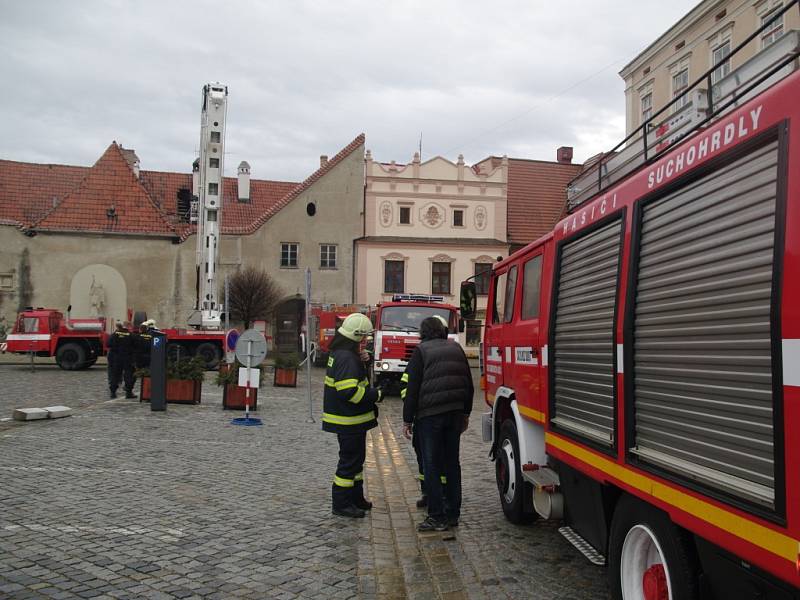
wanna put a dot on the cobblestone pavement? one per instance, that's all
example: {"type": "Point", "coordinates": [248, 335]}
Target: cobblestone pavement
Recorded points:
{"type": "Point", "coordinates": [120, 502]}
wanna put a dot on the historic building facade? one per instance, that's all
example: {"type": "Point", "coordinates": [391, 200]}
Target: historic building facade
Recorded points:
{"type": "Point", "coordinates": [113, 237]}
{"type": "Point", "coordinates": [428, 226]}
{"type": "Point", "coordinates": [702, 39]}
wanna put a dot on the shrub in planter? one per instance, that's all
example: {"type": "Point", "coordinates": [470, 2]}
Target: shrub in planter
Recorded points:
{"type": "Point", "coordinates": [233, 395]}
{"type": "Point", "coordinates": [184, 381]}
{"type": "Point", "coordinates": [286, 370]}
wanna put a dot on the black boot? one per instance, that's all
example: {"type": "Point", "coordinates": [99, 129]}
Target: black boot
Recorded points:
{"type": "Point", "coordinates": [349, 511]}
{"type": "Point", "coordinates": [422, 502]}
{"type": "Point", "coordinates": [358, 497]}
{"type": "Point", "coordinates": [113, 394]}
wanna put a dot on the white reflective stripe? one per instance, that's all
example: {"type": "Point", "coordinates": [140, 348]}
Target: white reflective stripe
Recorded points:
{"type": "Point", "coordinates": [544, 355]}
{"type": "Point", "coordinates": [620, 354]}
{"type": "Point", "coordinates": [494, 355]}
{"type": "Point", "coordinates": [28, 337]}
{"type": "Point", "coordinates": [791, 362]}
{"type": "Point", "coordinates": [508, 354]}
{"type": "Point", "coordinates": [524, 355]}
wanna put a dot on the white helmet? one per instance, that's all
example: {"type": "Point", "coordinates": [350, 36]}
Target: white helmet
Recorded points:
{"type": "Point", "coordinates": [355, 327]}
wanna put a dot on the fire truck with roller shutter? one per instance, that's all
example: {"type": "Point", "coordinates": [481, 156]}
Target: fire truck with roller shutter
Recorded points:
{"type": "Point", "coordinates": [642, 361]}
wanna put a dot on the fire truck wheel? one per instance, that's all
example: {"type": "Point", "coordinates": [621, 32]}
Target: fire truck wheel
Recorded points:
{"type": "Point", "coordinates": [209, 353]}
{"type": "Point", "coordinates": [175, 351]}
{"type": "Point", "coordinates": [515, 492]}
{"type": "Point", "coordinates": [649, 557]}
{"type": "Point", "coordinates": [71, 356]}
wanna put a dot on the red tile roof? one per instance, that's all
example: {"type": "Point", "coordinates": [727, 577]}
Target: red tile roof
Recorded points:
{"type": "Point", "coordinates": [28, 190]}
{"type": "Point", "coordinates": [109, 199]}
{"type": "Point", "coordinates": [58, 197]}
{"type": "Point", "coordinates": [537, 196]}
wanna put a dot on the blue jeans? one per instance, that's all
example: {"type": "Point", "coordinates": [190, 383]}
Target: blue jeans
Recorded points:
{"type": "Point", "coordinates": [440, 437]}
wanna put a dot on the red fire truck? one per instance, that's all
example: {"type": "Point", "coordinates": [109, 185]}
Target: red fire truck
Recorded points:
{"type": "Point", "coordinates": [642, 361]}
{"type": "Point", "coordinates": [77, 343]}
{"type": "Point", "coordinates": [397, 331]}
{"type": "Point", "coordinates": [325, 320]}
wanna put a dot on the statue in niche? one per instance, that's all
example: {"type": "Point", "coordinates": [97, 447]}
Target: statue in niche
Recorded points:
{"type": "Point", "coordinates": [97, 298]}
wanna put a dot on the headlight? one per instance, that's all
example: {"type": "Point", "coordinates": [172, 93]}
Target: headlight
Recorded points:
{"type": "Point", "coordinates": [385, 366]}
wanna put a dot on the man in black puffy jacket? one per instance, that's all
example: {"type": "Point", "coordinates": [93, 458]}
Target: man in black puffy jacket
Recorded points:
{"type": "Point", "coordinates": [349, 411]}
{"type": "Point", "coordinates": [437, 404]}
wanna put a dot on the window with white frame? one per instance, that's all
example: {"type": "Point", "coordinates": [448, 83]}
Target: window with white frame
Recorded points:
{"type": "Point", "coordinates": [289, 251]}
{"type": "Point", "coordinates": [647, 107]}
{"type": "Point", "coordinates": [774, 25]}
{"type": "Point", "coordinates": [720, 60]}
{"type": "Point", "coordinates": [327, 256]}
{"type": "Point", "coordinates": [680, 83]}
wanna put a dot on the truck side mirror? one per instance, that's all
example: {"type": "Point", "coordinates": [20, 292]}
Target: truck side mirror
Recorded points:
{"type": "Point", "coordinates": [460, 325]}
{"type": "Point", "coordinates": [469, 300]}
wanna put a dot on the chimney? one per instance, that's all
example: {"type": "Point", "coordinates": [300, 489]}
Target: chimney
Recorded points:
{"type": "Point", "coordinates": [564, 155]}
{"type": "Point", "coordinates": [244, 182]}
{"type": "Point", "coordinates": [132, 159]}
{"type": "Point", "coordinates": [196, 178]}
{"type": "Point", "coordinates": [323, 160]}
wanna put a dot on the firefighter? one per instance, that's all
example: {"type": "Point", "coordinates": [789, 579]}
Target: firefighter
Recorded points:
{"type": "Point", "coordinates": [120, 360]}
{"type": "Point", "coordinates": [143, 342]}
{"type": "Point", "coordinates": [349, 411]}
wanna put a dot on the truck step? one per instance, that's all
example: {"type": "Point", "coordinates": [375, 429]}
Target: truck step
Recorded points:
{"type": "Point", "coordinates": [584, 547]}
{"type": "Point", "coordinates": [540, 477]}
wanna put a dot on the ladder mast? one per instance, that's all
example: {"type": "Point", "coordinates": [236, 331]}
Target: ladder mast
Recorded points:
{"type": "Point", "coordinates": [211, 170]}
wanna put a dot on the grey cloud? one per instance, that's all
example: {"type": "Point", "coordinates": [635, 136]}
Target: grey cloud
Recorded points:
{"type": "Point", "coordinates": [306, 77]}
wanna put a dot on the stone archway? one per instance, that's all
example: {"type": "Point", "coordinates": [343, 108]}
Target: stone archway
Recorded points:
{"type": "Point", "coordinates": [99, 291]}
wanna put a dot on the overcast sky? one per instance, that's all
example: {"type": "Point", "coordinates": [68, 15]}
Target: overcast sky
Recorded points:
{"type": "Point", "coordinates": [495, 77]}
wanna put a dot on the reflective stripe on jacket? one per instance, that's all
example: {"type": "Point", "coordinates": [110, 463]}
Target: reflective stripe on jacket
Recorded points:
{"type": "Point", "coordinates": [348, 401]}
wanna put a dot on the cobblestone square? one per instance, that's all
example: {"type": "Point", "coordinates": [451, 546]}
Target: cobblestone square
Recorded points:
{"type": "Point", "coordinates": [121, 502]}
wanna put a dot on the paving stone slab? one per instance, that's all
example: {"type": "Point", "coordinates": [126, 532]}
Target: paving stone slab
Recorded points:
{"type": "Point", "coordinates": [29, 414]}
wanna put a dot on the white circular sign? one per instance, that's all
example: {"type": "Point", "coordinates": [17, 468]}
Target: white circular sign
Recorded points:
{"type": "Point", "coordinates": [251, 348]}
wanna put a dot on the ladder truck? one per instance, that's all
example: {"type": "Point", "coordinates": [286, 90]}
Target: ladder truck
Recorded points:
{"type": "Point", "coordinates": [208, 213]}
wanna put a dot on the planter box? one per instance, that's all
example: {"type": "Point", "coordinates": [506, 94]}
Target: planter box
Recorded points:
{"type": "Point", "coordinates": [233, 397]}
{"type": "Point", "coordinates": [285, 377]}
{"type": "Point", "coordinates": [179, 391]}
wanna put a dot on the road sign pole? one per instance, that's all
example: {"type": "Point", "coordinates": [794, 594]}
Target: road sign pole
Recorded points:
{"type": "Point", "coordinates": [247, 384]}
{"type": "Point", "coordinates": [308, 345]}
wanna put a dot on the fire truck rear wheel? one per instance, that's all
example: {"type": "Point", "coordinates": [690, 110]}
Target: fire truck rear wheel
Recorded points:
{"type": "Point", "coordinates": [177, 351]}
{"type": "Point", "coordinates": [209, 353]}
{"type": "Point", "coordinates": [649, 557]}
{"type": "Point", "coordinates": [71, 356]}
{"type": "Point", "coordinates": [515, 493]}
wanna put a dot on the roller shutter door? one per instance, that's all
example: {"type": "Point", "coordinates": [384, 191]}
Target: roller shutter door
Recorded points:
{"type": "Point", "coordinates": [703, 396]}
{"type": "Point", "coordinates": [583, 343]}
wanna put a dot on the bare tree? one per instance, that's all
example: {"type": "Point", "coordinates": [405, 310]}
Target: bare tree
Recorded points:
{"type": "Point", "coordinates": [253, 295]}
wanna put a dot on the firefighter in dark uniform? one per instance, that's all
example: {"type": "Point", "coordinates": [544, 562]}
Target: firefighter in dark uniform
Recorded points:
{"type": "Point", "coordinates": [349, 411]}
{"type": "Point", "coordinates": [142, 344]}
{"type": "Point", "coordinates": [120, 360]}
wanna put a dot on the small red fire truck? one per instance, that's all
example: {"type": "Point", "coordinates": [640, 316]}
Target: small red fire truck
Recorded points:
{"type": "Point", "coordinates": [77, 343]}
{"type": "Point", "coordinates": [642, 361]}
{"type": "Point", "coordinates": [325, 320]}
{"type": "Point", "coordinates": [397, 331]}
